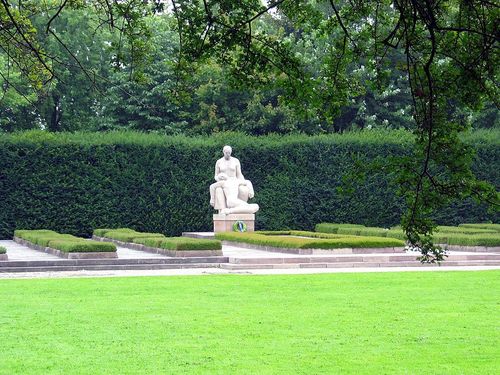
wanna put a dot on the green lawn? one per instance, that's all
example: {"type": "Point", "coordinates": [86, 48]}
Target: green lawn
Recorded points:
{"type": "Point", "coordinates": [359, 323]}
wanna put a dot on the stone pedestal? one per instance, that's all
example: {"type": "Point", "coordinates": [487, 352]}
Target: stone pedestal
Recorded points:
{"type": "Point", "coordinates": [224, 223]}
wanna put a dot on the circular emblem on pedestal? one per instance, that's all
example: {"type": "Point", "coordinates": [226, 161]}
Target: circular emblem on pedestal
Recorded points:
{"type": "Point", "coordinates": [239, 226]}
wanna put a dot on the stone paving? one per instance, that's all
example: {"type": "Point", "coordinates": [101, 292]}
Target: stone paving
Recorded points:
{"type": "Point", "coordinates": [17, 252]}
{"type": "Point", "coordinates": [219, 271]}
{"type": "Point", "coordinates": [21, 252]}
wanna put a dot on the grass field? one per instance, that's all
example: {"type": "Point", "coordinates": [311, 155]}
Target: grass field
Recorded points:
{"type": "Point", "coordinates": [359, 323]}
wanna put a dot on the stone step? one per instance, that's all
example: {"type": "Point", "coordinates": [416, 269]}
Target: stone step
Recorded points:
{"type": "Point", "coordinates": [389, 258]}
{"type": "Point", "coordinates": [240, 266]}
{"type": "Point", "coordinates": [111, 262]}
{"type": "Point", "coordinates": [108, 267]}
{"type": "Point", "coordinates": [272, 249]}
{"type": "Point", "coordinates": [478, 249]}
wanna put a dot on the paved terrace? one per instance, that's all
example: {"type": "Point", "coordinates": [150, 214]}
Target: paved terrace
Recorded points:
{"type": "Point", "coordinates": [26, 263]}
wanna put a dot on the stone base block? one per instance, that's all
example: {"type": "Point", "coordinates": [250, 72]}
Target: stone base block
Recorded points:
{"type": "Point", "coordinates": [224, 223]}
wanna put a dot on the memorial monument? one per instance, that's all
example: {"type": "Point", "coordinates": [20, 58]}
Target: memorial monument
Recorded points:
{"type": "Point", "coordinates": [229, 195]}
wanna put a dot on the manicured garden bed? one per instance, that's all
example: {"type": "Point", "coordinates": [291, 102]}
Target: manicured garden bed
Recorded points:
{"type": "Point", "coordinates": [160, 244]}
{"type": "Point", "coordinates": [302, 242]}
{"type": "Point", "coordinates": [3, 253]}
{"type": "Point", "coordinates": [64, 245]}
{"type": "Point", "coordinates": [359, 230]}
{"type": "Point", "coordinates": [495, 227]}
{"type": "Point", "coordinates": [465, 237]}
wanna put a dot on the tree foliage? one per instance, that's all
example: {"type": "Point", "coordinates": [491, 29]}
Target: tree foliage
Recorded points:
{"type": "Point", "coordinates": [324, 62]}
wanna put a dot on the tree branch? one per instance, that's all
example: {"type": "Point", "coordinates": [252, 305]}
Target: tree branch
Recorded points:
{"type": "Point", "coordinates": [55, 16]}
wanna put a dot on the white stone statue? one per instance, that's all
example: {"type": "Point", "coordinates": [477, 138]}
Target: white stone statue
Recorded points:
{"type": "Point", "coordinates": [231, 192]}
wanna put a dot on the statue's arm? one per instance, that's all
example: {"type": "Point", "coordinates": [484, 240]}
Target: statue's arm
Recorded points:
{"type": "Point", "coordinates": [217, 171]}
{"type": "Point", "coordinates": [239, 175]}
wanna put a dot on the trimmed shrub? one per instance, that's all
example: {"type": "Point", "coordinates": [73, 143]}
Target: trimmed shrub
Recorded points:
{"type": "Point", "coordinates": [181, 243]}
{"type": "Point", "coordinates": [352, 231]}
{"type": "Point", "coordinates": [377, 232]}
{"type": "Point", "coordinates": [495, 227]}
{"type": "Point", "coordinates": [301, 233]}
{"type": "Point", "coordinates": [333, 227]}
{"type": "Point", "coordinates": [44, 240]}
{"type": "Point", "coordinates": [396, 233]}
{"type": "Point", "coordinates": [159, 240]}
{"type": "Point", "coordinates": [3, 250]}
{"type": "Point", "coordinates": [75, 182]}
{"type": "Point", "coordinates": [309, 243]}
{"type": "Point", "coordinates": [42, 236]}
{"type": "Point", "coordinates": [475, 240]}
{"type": "Point", "coordinates": [150, 241]}
{"type": "Point", "coordinates": [64, 242]}
{"type": "Point", "coordinates": [131, 236]}
{"type": "Point", "coordinates": [82, 246]}
{"type": "Point", "coordinates": [441, 235]}
{"type": "Point", "coordinates": [184, 243]}
{"type": "Point", "coordinates": [464, 230]}
{"type": "Point", "coordinates": [23, 232]}
{"type": "Point", "coordinates": [101, 232]}
{"type": "Point", "coordinates": [275, 232]}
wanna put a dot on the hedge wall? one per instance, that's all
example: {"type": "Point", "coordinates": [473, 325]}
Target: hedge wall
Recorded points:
{"type": "Point", "coordinates": [74, 183]}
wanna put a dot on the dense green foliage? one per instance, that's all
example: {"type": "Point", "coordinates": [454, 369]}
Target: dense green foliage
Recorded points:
{"type": "Point", "coordinates": [74, 183]}
{"type": "Point", "coordinates": [318, 66]}
{"type": "Point", "coordinates": [314, 242]}
{"type": "Point", "coordinates": [3, 250]}
{"type": "Point", "coordinates": [105, 76]}
{"type": "Point", "coordinates": [64, 242]}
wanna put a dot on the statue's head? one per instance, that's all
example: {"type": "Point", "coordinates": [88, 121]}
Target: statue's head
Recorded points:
{"type": "Point", "coordinates": [227, 150]}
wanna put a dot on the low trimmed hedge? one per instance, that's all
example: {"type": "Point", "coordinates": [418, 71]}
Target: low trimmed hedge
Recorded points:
{"type": "Point", "coordinates": [159, 240]}
{"type": "Point", "coordinates": [372, 232]}
{"type": "Point", "coordinates": [463, 230]}
{"type": "Point", "coordinates": [308, 243]}
{"type": "Point", "coordinates": [300, 233]}
{"type": "Point", "coordinates": [3, 250]}
{"type": "Point", "coordinates": [63, 242]}
{"type": "Point", "coordinates": [396, 233]}
{"type": "Point", "coordinates": [131, 236]}
{"type": "Point", "coordinates": [495, 227]}
{"type": "Point", "coordinates": [183, 243]}
{"type": "Point", "coordinates": [101, 232]}
{"type": "Point", "coordinates": [475, 240]}
{"type": "Point", "coordinates": [466, 235]}
{"type": "Point", "coordinates": [82, 246]}
{"type": "Point", "coordinates": [334, 227]}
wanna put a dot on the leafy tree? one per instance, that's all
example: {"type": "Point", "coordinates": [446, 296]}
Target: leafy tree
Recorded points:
{"type": "Point", "coordinates": [449, 50]}
{"type": "Point", "coordinates": [451, 61]}
{"type": "Point", "coordinates": [17, 104]}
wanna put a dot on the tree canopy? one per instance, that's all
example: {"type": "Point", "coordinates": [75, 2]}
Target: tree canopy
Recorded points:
{"type": "Point", "coordinates": [304, 65]}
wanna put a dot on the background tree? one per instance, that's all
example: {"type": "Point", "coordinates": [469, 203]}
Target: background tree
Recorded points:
{"type": "Point", "coordinates": [317, 56]}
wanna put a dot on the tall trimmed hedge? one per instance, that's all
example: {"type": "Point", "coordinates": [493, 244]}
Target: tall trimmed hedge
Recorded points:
{"type": "Point", "coordinates": [74, 183]}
